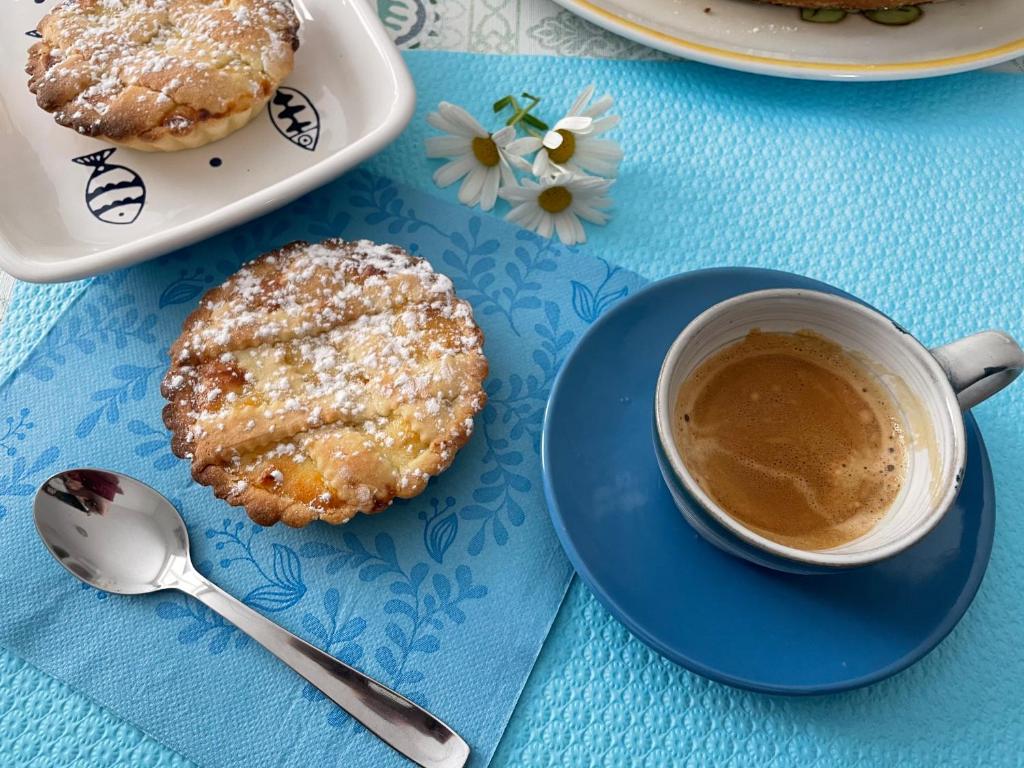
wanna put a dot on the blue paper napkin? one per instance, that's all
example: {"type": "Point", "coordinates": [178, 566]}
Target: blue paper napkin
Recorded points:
{"type": "Point", "coordinates": [446, 598]}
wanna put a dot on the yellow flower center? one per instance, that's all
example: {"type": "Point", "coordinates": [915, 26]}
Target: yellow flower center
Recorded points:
{"type": "Point", "coordinates": [554, 199]}
{"type": "Point", "coordinates": [564, 151]}
{"type": "Point", "coordinates": [486, 151]}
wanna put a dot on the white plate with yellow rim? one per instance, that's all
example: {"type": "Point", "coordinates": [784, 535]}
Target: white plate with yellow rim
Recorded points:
{"type": "Point", "coordinates": [75, 206]}
{"type": "Point", "coordinates": [948, 37]}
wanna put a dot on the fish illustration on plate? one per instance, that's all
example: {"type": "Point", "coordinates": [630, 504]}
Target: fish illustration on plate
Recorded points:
{"type": "Point", "coordinates": [113, 194]}
{"type": "Point", "coordinates": [295, 117]}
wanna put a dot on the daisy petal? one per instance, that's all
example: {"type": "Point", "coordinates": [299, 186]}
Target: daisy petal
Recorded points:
{"type": "Point", "coordinates": [601, 168]}
{"type": "Point", "coordinates": [529, 218]}
{"type": "Point", "coordinates": [459, 117]}
{"type": "Point", "coordinates": [440, 122]}
{"type": "Point", "coordinates": [518, 163]}
{"type": "Point", "coordinates": [587, 187]}
{"type": "Point", "coordinates": [605, 124]}
{"type": "Point", "coordinates": [581, 233]}
{"type": "Point", "coordinates": [469, 192]}
{"type": "Point", "coordinates": [541, 164]}
{"type": "Point", "coordinates": [523, 146]}
{"type": "Point", "coordinates": [451, 172]}
{"type": "Point", "coordinates": [447, 146]}
{"type": "Point", "coordinates": [489, 193]}
{"type": "Point", "coordinates": [544, 225]}
{"type": "Point", "coordinates": [553, 140]}
{"type": "Point", "coordinates": [600, 106]}
{"type": "Point", "coordinates": [504, 137]}
{"type": "Point", "coordinates": [601, 158]}
{"type": "Point", "coordinates": [581, 100]}
{"type": "Point", "coordinates": [523, 214]}
{"type": "Point", "coordinates": [564, 227]}
{"type": "Point", "coordinates": [515, 213]}
{"type": "Point", "coordinates": [592, 215]}
{"type": "Point", "coordinates": [516, 194]}
{"type": "Point", "coordinates": [534, 218]}
{"type": "Point", "coordinates": [506, 176]}
{"type": "Point", "coordinates": [572, 123]}
{"type": "Point", "coordinates": [606, 149]}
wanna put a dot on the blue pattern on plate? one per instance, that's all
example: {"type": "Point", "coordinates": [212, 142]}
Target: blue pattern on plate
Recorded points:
{"type": "Point", "coordinates": [446, 597]}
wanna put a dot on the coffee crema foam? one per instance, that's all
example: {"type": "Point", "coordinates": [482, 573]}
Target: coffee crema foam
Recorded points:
{"type": "Point", "coordinates": [793, 437]}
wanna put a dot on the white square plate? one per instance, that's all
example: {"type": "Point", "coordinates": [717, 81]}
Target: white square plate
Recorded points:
{"type": "Point", "coordinates": [349, 96]}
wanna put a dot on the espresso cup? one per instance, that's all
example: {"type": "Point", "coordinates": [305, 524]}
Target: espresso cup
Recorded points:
{"type": "Point", "coordinates": [931, 389]}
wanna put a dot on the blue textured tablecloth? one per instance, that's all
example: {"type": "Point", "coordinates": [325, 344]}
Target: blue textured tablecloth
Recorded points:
{"type": "Point", "coordinates": [908, 195]}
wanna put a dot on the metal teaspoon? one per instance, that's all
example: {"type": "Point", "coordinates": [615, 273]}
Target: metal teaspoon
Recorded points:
{"type": "Point", "coordinates": [119, 535]}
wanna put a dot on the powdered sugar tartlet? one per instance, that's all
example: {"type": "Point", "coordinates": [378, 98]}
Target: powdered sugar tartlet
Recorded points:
{"type": "Point", "coordinates": [324, 380]}
{"type": "Point", "coordinates": [161, 74]}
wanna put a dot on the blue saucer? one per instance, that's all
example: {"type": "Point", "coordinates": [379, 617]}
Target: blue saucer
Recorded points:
{"type": "Point", "coordinates": [713, 613]}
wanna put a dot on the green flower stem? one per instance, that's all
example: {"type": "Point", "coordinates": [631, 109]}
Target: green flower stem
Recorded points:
{"type": "Point", "coordinates": [521, 114]}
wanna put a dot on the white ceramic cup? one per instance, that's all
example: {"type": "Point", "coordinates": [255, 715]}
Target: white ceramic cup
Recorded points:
{"type": "Point", "coordinates": [929, 387]}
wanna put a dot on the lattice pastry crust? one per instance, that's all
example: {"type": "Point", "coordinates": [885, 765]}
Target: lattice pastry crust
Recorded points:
{"type": "Point", "coordinates": [161, 75]}
{"type": "Point", "coordinates": [324, 380]}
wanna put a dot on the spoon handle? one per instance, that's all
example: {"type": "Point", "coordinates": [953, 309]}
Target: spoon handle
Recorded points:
{"type": "Point", "coordinates": [398, 722]}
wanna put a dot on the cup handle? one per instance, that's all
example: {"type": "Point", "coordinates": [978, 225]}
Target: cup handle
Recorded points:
{"type": "Point", "coordinates": [978, 366]}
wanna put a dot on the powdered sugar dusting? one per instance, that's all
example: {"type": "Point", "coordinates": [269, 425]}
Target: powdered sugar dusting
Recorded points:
{"type": "Point", "coordinates": [123, 67]}
{"type": "Point", "coordinates": [350, 365]}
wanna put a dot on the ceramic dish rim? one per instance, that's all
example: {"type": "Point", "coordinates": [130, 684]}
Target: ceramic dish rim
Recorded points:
{"type": "Point", "coordinates": [789, 68]}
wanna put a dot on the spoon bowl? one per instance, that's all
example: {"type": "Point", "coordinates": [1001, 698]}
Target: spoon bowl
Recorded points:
{"type": "Point", "coordinates": [119, 535]}
{"type": "Point", "coordinates": [111, 531]}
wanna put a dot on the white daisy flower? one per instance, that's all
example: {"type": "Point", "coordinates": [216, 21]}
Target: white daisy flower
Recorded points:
{"type": "Point", "coordinates": [556, 204]}
{"type": "Point", "coordinates": [572, 144]}
{"type": "Point", "coordinates": [484, 160]}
